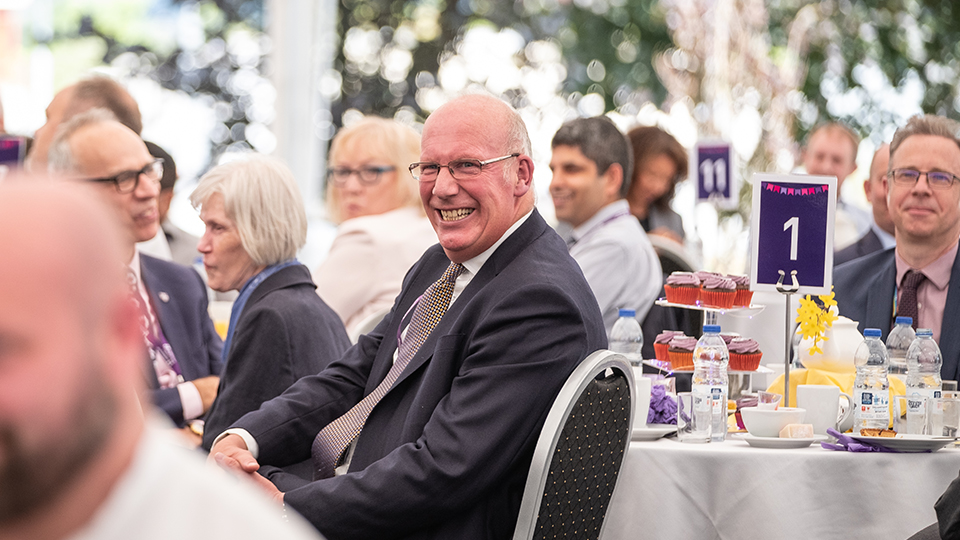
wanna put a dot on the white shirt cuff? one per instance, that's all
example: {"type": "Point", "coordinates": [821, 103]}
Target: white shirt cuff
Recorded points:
{"type": "Point", "coordinates": [190, 400]}
{"type": "Point", "coordinates": [248, 439]}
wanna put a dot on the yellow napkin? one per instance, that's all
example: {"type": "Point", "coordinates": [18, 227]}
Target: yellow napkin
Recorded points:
{"type": "Point", "coordinates": [843, 380]}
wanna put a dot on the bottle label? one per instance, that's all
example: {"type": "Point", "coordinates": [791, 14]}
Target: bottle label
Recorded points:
{"type": "Point", "coordinates": [872, 404]}
{"type": "Point", "coordinates": [917, 399]}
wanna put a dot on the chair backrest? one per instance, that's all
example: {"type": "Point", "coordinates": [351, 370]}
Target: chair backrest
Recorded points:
{"type": "Point", "coordinates": [367, 324]}
{"type": "Point", "coordinates": [578, 455]}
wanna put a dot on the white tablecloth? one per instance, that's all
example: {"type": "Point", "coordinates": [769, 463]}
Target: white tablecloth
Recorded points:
{"type": "Point", "coordinates": [672, 490]}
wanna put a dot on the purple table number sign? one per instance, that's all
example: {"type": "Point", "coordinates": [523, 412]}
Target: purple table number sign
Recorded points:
{"type": "Point", "coordinates": [792, 230]}
{"type": "Point", "coordinates": [714, 164]}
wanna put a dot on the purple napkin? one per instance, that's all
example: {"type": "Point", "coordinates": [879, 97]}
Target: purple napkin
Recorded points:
{"type": "Point", "coordinates": [850, 444]}
{"type": "Point", "coordinates": [663, 408]}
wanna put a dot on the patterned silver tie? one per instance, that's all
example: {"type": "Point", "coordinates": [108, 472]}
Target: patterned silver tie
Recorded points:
{"type": "Point", "coordinates": [336, 436]}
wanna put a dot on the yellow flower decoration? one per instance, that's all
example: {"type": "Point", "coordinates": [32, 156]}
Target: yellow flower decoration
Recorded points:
{"type": "Point", "coordinates": [814, 319]}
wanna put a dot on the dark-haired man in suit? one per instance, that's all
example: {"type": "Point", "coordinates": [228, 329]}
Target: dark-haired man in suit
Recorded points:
{"type": "Point", "coordinates": [184, 347]}
{"type": "Point", "coordinates": [445, 452]}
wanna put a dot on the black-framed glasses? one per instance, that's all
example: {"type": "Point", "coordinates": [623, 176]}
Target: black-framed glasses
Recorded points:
{"type": "Point", "coordinates": [460, 169]}
{"type": "Point", "coordinates": [368, 176]}
{"type": "Point", "coordinates": [128, 181]}
{"type": "Point", "coordinates": [935, 179]}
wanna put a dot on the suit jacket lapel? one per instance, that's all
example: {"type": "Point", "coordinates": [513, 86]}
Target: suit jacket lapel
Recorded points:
{"type": "Point", "coordinates": [171, 321]}
{"type": "Point", "coordinates": [879, 301]}
{"type": "Point", "coordinates": [949, 340]}
{"type": "Point", "coordinates": [504, 254]}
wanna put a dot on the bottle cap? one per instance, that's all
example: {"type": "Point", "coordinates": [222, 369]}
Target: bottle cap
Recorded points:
{"type": "Point", "coordinates": [628, 312]}
{"type": "Point", "coordinates": [711, 329]}
{"type": "Point", "coordinates": [904, 320]}
{"type": "Point", "coordinates": [924, 332]}
{"type": "Point", "coordinates": [871, 332]}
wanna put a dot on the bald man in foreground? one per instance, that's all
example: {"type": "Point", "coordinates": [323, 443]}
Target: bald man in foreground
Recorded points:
{"type": "Point", "coordinates": [77, 457]}
{"type": "Point", "coordinates": [445, 452]}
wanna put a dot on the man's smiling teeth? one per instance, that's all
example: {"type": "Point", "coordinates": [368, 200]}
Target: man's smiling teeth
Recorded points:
{"type": "Point", "coordinates": [455, 215]}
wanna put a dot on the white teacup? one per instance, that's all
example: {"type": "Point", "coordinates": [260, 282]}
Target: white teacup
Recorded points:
{"type": "Point", "coordinates": [642, 408]}
{"type": "Point", "coordinates": [822, 403]}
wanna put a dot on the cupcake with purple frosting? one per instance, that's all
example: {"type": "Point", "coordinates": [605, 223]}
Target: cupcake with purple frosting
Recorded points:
{"type": "Point", "coordinates": [682, 288]}
{"type": "Point", "coordinates": [744, 295]}
{"type": "Point", "coordinates": [717, 292]}
{"type": "Point", "coordinates": [745, 354]}
{"type": "Point", "coordinates": [661, 345]}
{"type": "Point", "coordinates": [681, 352]}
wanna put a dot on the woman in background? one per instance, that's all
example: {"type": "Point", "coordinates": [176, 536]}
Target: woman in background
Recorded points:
{"type": "Point", "coordinates": [382, 228]}
{"type": "Point", "coordinates": [280, 330]}
{"type": "Point", "coordinates": [659, 163]}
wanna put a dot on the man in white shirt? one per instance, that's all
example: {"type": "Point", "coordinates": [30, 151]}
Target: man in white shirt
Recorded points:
{"type": "Point", "coordinates": [592, 170]}
{"type": "Point", "coordinates": [77, 458]}
{"type": "Point", "coordinates": [832, 151]}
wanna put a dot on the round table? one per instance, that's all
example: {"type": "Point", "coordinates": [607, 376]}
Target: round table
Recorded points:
{"type": "Point", "coordinates": [731, 490]}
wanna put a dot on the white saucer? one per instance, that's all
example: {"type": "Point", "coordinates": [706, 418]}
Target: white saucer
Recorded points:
{"type": "Point", "coordinates": [652, 432]}
{"type": "Point", "coordinates": [907, 443]}
{"type": "Point", "coordinates": [777, 442]}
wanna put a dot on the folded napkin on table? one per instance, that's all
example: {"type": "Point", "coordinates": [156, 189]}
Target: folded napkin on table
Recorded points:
{"type": "Point", "coordinates": [663, 408]}
{"type": "Point", "coordinates": [845, 442]}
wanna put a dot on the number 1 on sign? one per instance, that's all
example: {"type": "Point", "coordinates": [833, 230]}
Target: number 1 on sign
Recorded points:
{"type": "Point", "coordinates": [793, 224]}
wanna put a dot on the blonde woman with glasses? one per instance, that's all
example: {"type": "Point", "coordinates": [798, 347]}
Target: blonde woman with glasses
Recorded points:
{"type": "Point", "coordinates": [382, 229]}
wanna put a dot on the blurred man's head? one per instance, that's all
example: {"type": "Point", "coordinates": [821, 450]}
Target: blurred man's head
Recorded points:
{"type": "Point", "coordinates": [831, 151]}
{"type": "Point", "coordinates": [486, 143]}
{"type": "Point", "coordinates": [167, 181]}
{"type": "Point", "coordinates": [592, 167]}
{"type": "Point", "coordinates": [93, 93]}
{"type": "Point", "coordinates": [70, 356]}
{"type": "Point", "coordinates": [95, 148]}
{"type": "Point", "coordinates": [876, 190]}
{"type": "Point", "coordinates": [925, 209]}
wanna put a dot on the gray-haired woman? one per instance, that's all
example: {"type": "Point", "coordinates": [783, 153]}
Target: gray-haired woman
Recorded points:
{"type": "Point", "coordinates": [280, 330]}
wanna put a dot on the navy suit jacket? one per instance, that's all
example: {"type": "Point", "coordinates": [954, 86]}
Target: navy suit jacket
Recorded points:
{"type": "Point", "coordinates": [866, 245]}
{"type": "Point", "coordinates": [446, 452]}
{"type": "Point", "coordinates": [285, 332]}
{"type": "Point", "coordinates": [864, 292]}
{"type": "Point", "coordinates": [179, 298]}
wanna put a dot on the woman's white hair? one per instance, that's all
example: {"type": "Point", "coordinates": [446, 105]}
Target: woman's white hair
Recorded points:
{"type": "Point", "coordinates": [261, 196]}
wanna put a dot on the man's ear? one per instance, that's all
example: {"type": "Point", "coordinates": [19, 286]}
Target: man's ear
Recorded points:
{"type": "Point", "coordinates": [613, 179]}
{"type": "Point", "coordinates": [524, 175]}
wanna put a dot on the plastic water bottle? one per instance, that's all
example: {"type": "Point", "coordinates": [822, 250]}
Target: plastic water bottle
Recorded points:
{"type": "Point", "coordinates": [871, 389]}
{"type": "Point", "coordinates": [924, 383]}
{"type": "Point", "coordinates": [710, 360]}
{"type": "Point", "coordinates": [898, 343]}
{"type": "Point", "coordinates": [626, 337]}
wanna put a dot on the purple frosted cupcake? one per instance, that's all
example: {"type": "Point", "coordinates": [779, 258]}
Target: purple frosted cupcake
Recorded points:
{"type": "Point", "coordinates": [682, 288]}
{"type": "Point", "coordinates": [743, 295]}
{"type": "Point", "coordinates": [717, 292]}
{"type": "Point", "coordinates": [681, 352]}
{"type": "Point", "coordinates": [661, 345]}
{"type": "Point", "coordinates": [745, 354]}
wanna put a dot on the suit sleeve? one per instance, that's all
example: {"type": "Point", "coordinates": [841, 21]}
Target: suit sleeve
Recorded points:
{"type": "Point", "coordinates": [212, 344]}
{"type": "Point", "coordinates": [509, 369]}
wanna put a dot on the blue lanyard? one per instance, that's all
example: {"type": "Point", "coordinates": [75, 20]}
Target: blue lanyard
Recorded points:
{"type": "Point", "coordinates": [241, 300]}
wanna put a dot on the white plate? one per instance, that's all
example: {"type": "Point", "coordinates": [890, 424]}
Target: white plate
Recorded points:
{"type": "Point", "coordinates": [907, 443]}
{"type": "Point", "coordinates": [652, 432]}
{"type": "Point", "coordinates": [777, 442]}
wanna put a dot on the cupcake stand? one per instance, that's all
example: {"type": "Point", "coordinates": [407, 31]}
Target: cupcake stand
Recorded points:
{"type": "Point", "coordinates": [739, 381]}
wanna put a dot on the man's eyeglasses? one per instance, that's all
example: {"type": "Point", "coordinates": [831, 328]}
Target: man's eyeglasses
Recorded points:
{"type": "Point", "coordinates": [935, 179]}
{"type": "Point", "coordinates": [128, 181]}
{"type": "Point", "coordinates": [460, 169]}
{"type": "Point", "coordinates": [368, 176]}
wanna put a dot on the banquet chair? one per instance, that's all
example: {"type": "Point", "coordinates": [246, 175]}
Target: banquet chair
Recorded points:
{"type": "Point", "coordinates": [578, 456]}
